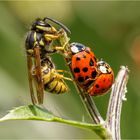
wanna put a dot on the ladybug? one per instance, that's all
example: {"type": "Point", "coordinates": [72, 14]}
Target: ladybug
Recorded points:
{"type": "Point", "coordinates": [103, 81]}
{"type": "Point", "coordinates": [83, 65]}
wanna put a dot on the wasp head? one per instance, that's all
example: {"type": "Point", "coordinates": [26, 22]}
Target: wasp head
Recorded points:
{"type": "Point", "coordinates": [42, 26]}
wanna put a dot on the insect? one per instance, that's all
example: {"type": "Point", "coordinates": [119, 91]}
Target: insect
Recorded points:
{"type": "Point", "coordinates": [43, 34]}
{"type": "Point", "coordinates": [38, 45]}
{"type": "Point", "coordinates": [83, 65]}
{"type": "Point", "coordinates": [103, 81]}
{"type": "Point", "coordinates": [94, 77]}
{"type": "Point", "coordinates": [53, 81]}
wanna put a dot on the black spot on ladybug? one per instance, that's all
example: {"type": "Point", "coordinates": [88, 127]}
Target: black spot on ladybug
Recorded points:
{"type": "Point", "coordinates": [91, 63]}
{"type": "Point", "coordinates": [97, 86]}
{"type": "Point", "coordinates": [84, 56]}
{"type": "Point", "coordinates": [86, 77]}
{"type": "Point", "coordinates": [77, 58]}
{"type": "Point", "coordinates": [85, 69]}
{"type": "Point", "coordinates": [76, 70]}
{"type": "Point", "coordinates": [80, 79]}
{"type": "Point", "coordinates": [93, 74]}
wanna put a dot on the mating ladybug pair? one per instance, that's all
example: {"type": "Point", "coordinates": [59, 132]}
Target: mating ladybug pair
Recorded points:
{"type": "Point", "coordinates": [94, 77]}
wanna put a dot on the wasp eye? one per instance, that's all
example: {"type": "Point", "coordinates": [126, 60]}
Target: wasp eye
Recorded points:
{"type": "Point", "coordinates": [77, 47]}
{"type": "Point", "coordinates": [39, 22]}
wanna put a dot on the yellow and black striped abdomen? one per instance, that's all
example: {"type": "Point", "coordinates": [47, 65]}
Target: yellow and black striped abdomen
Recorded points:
{"type": "Point", "coordinates": [53, 83]}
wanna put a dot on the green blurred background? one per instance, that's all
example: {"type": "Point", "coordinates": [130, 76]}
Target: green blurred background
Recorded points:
{"type": "Point", "coordinates": [111, 29]}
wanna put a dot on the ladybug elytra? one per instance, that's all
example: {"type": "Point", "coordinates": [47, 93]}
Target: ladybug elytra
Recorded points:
{"type": "Point", "coordinates": [94, 77]}
{"type": "Point", "coordinates": [83, 65]}
{"type": "Point", "coordinates": [104, 80]}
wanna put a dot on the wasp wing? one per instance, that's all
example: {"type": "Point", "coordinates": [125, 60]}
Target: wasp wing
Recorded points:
{"type": "Point", "coordinates": [30, 77]}
{"type": "Point", "coordinates": [38, 75]}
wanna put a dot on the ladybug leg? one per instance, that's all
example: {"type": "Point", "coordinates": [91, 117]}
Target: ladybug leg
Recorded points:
{"type": "Point", "coordinates": [68, 63]}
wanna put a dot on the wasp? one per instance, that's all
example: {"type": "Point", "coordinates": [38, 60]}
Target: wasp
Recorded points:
{"type": "Point", "coordinates": [41, 71]}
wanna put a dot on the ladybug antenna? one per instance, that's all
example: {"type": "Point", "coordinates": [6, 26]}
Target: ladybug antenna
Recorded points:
{"type": "Point", "coordinates": [101, 59]}
{"type": "Point", "coordinates": [58, 23]}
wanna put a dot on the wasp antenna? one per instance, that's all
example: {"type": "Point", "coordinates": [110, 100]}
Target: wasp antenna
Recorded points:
{"type": "Point", "coordinates": [59, 23]}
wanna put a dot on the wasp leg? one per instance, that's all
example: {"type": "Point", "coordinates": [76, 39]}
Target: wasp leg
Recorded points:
{"type": "Point", "coordinates": [66, 78]}
{"type": "Point", "coordinates": [50, 51]}
{"type": "Point", "coordinates": [50, 37]}
{"type": "Point", "coordinates": [49, 62]}
{"type": "Point", "coordinates": [63, 47]}
{"type": "Point", "coordinates": [38, 75]}
{"type": "Point", "coordinates": [60, 76]}
{"type": "Point", "coordinates": [29, 64]}
{"type": "Point", "coordinates": [64, 71]}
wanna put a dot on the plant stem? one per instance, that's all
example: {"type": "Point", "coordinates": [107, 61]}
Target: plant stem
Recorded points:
{"type": "Point", "coordinates": [91, 107]}
{"type": "Point", "coordinates": [112, 123]}
{"type": "Point", "coordinates": [86, 99]}
{"type": "Point", "coordinates": [115, 103]}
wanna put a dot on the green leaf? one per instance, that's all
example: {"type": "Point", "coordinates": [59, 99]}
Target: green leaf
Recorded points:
{"type": "Point", "coordinates": [32, 112]}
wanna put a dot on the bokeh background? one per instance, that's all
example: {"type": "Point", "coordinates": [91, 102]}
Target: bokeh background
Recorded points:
{"type": "Point", "coordinates": [111, 29]}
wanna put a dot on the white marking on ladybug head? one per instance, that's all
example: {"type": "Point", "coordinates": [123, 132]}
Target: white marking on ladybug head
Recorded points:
{"type": "Point", "coordinates": [103, 69]}
{"type": "Point", "coordinates": [103, 66]}
{"type": "Point", "coordinates": [77, 47]}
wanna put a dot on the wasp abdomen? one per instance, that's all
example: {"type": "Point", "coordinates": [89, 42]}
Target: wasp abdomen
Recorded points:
{"type": "Point", "coordinates": [53, 84]}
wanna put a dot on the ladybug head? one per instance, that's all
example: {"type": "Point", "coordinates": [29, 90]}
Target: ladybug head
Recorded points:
{"type": "Point", "coordinates": [77, 47]}
{"type": "Point", "coordinates": [104, 67]}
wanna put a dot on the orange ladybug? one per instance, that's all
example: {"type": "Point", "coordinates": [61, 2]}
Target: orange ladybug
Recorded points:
{"type": "Point", "coordinates": [83, 65]}
{"type": "Point", "coordinates": [104, 80]}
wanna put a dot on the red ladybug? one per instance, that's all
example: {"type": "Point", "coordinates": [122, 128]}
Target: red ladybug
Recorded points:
{"type": "Point", "coordinates": [104, 80]}
{"type": "Point", "coordinates": [83, 65]}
